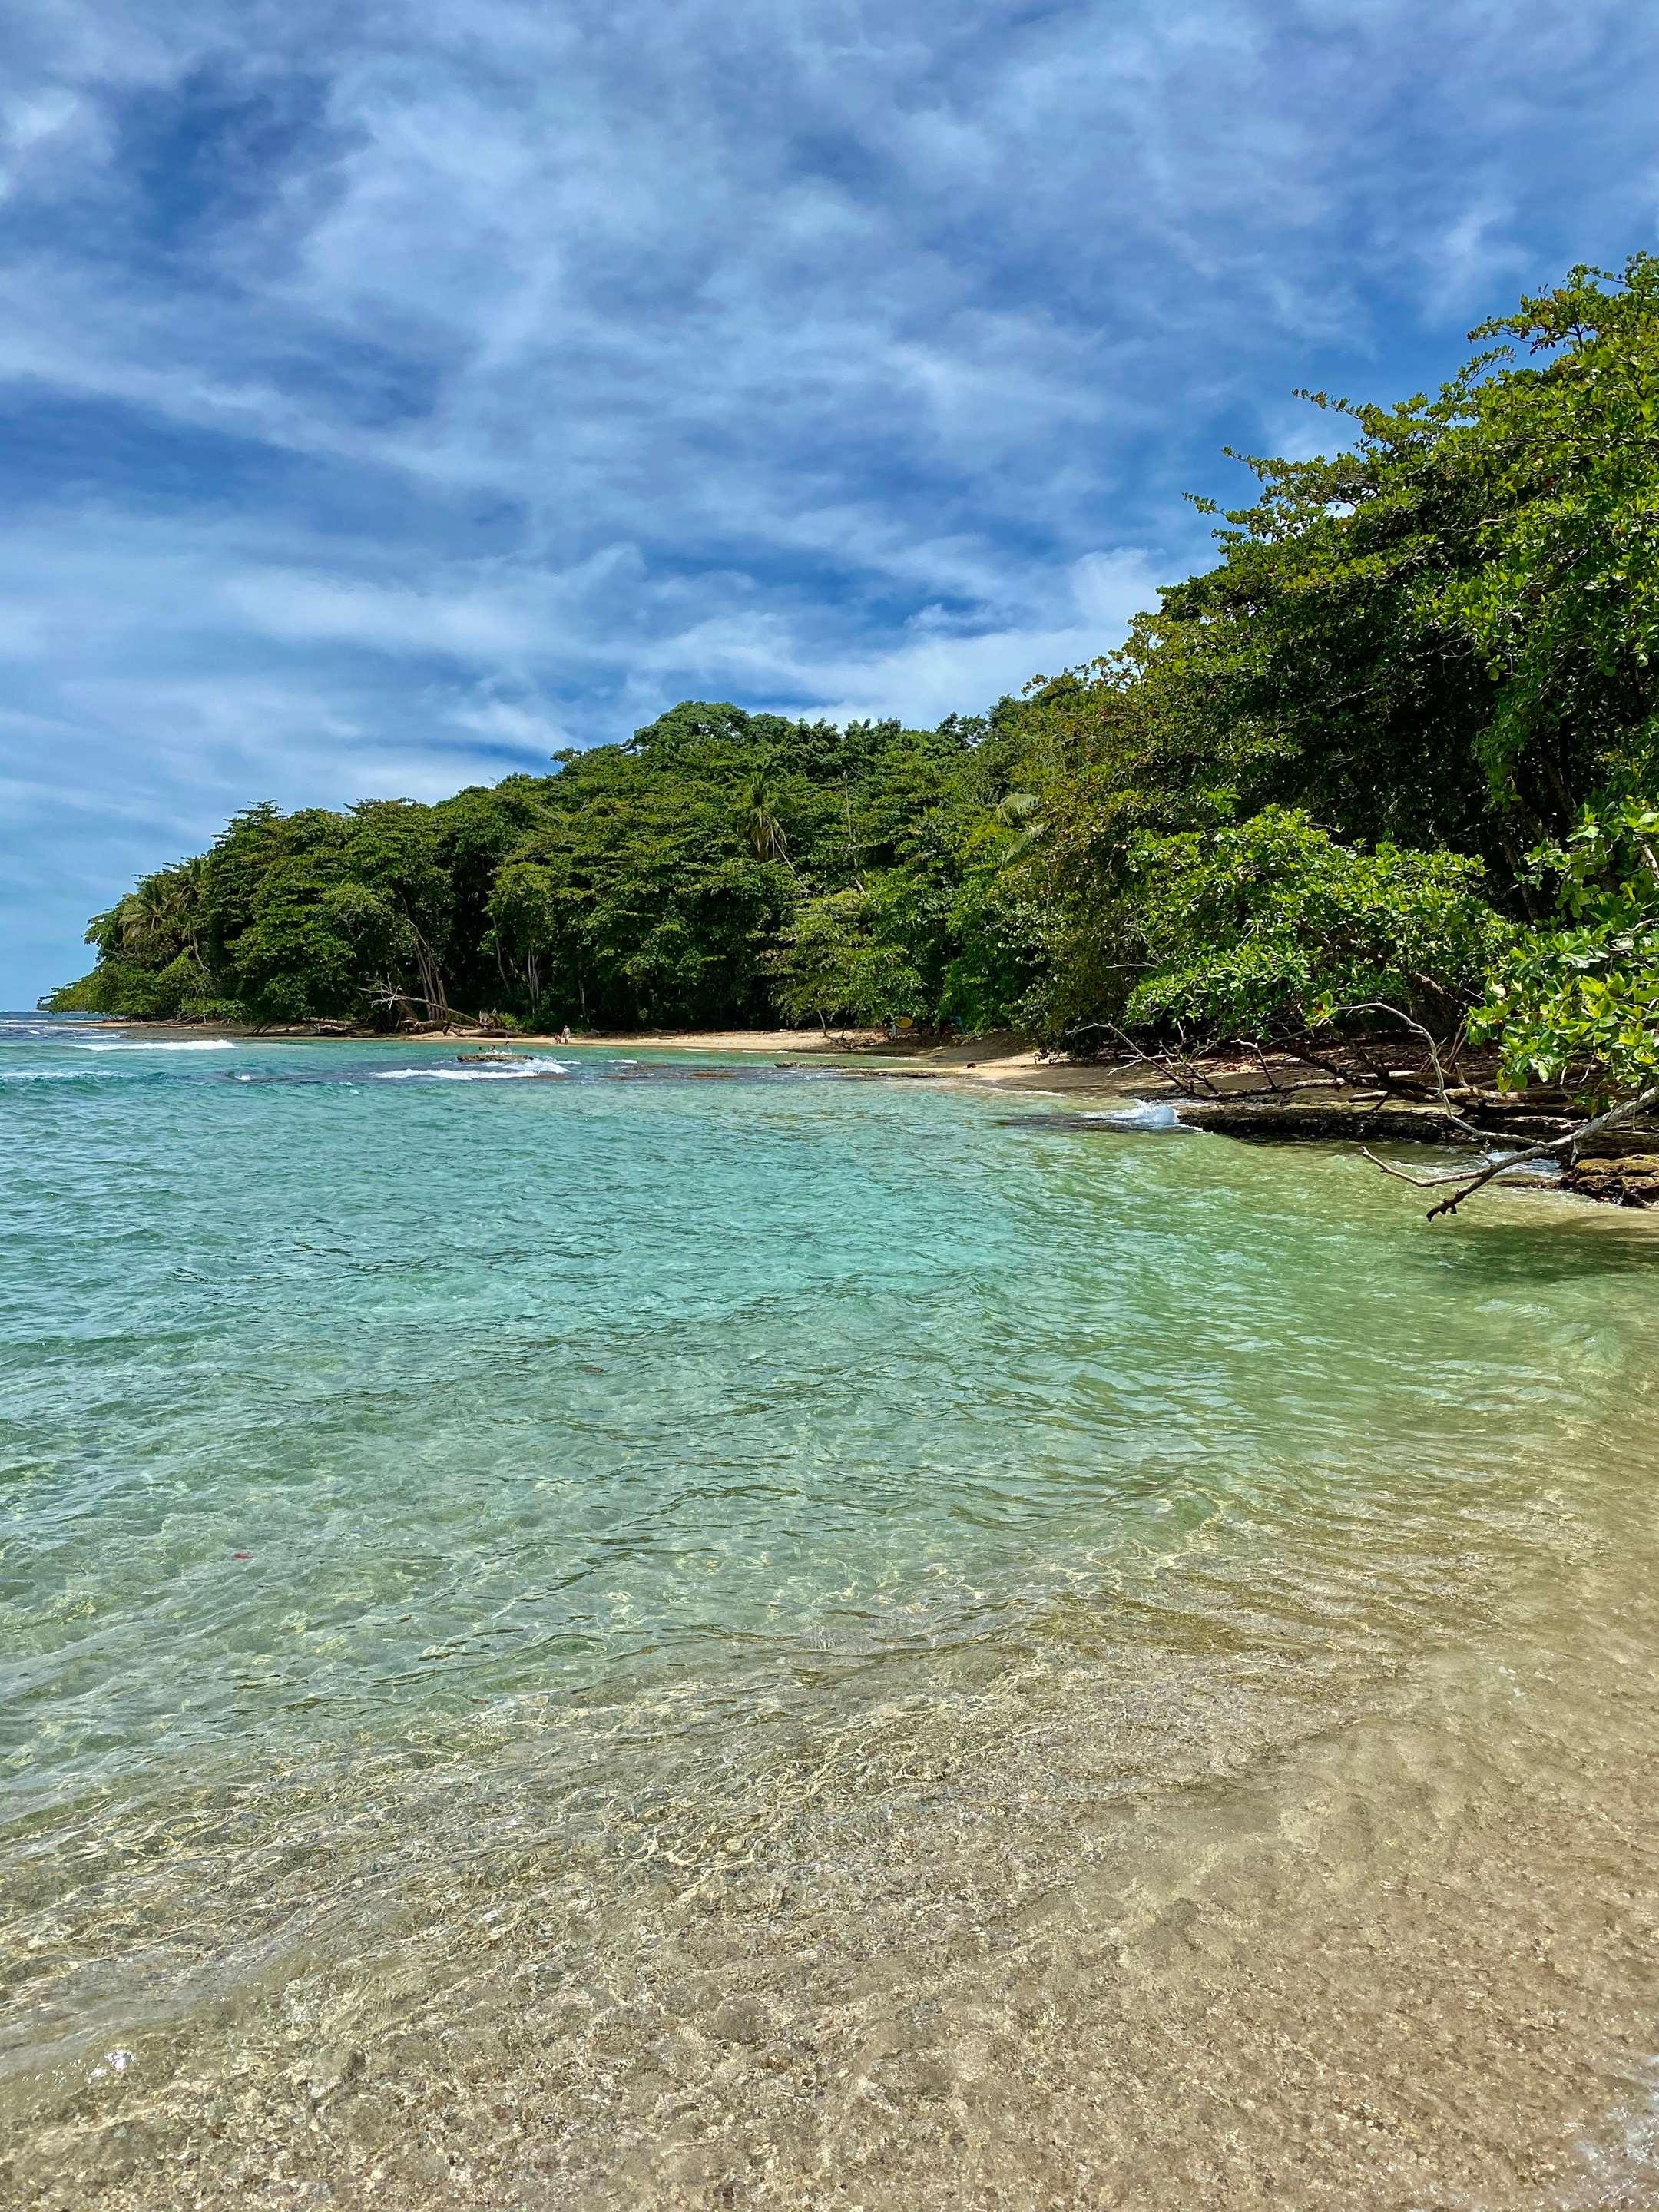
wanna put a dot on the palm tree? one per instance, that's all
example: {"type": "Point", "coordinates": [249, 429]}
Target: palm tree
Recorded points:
{"type": "Point", "coordinates": [1023, 813]}
{"type": "Point", "coordinates": [148, 916]}
{"type": "Point", "coordinates": [162, 916]}
{"type": "Point", "coordinates": [109, 929]}
{"type": "Point", "coordinates": [763, 831]}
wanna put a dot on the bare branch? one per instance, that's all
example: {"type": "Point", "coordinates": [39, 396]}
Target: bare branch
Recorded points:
{"type": "Point", "coordinates": [1173, 1066]}
{"type": "Point", "coordinates": [1551, 1148]}
{"type": "Point", "coordinates": [1381, 1006]}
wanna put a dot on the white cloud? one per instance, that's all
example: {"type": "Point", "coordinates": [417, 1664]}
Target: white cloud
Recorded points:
{"type": "Point", "coordinates": [397, 392]}
{"type": "Point", "coordinates": [300, 609]}
{"type": "Point", "coordinates": [1467, 260]}
{"type": "Point", "coordinates": [524, 729]}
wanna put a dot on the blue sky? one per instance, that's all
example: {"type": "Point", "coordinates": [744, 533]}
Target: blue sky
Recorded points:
{"type": "Point", "coordinates": [395, 393]}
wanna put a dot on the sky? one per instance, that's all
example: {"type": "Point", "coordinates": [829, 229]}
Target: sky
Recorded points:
{"type": "Point", "coordinates": [393, 394]}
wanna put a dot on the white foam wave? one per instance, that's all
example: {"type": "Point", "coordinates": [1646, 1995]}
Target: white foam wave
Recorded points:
{"type": "Point", "coordinates": [143, 1044]}
{"type": "Point", "coordinates": [515, 1073]}
{"type": "Point", "coordinates": [1144, 1114]}
{"type": "Point", "coordinates": [1546, 1171]}
{"type": "Point", "coordinates": [53, 1074]}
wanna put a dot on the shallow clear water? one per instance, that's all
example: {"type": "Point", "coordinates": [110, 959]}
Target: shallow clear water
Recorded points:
{"type": "Point", "coordinates": [428, 1492]}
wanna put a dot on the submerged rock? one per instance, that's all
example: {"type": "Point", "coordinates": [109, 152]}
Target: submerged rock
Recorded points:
{"type": "Point", "coordinates": [330, 2070]}
{"type": "Point", "coordinates": [741, 2019]}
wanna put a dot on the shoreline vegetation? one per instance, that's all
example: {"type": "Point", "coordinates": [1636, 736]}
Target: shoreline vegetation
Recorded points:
{"type": "Point", "coordinates": [1365, 818]}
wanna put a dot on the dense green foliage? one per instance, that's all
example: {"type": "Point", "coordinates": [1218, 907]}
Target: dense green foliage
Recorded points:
{"type": "Point", "coordinates": [719, 868]}
{"type": "Point", "coordinates": [1274, 924]}
{"type": "Point", "coordinates": [1312, 777]}
{"type": "Point", "coordinates": [1579, 1004]}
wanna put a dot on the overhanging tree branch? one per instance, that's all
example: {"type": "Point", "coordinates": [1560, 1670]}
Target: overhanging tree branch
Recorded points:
{"type": "Point", "coordinates": [1551, 1148]}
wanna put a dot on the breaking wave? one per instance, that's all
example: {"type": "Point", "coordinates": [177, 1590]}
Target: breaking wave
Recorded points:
{"type": "Point", "coordinates": [516, 1073]}
{"type": "Point", "coordinates": [1143, 1115]}
{"type": "Point", "coordinates": [142, 1044]}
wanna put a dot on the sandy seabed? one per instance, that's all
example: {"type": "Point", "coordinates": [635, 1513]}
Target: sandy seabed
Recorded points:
{"type": "Point", "coordinates": [1168, 1913]}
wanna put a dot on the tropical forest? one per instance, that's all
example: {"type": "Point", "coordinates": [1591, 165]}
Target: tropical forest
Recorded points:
{"type": "Point", "coordinates": [1392, 758]}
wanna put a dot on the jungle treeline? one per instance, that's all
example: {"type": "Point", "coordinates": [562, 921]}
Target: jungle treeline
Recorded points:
{"type": "Point", "coordinates": [1396, 747]}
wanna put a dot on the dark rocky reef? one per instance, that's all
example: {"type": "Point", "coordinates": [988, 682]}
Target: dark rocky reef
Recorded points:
{"type": "Point", "coordinates": [1632, 1181]}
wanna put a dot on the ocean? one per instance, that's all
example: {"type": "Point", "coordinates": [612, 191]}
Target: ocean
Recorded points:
{"type": "Point", "coordinates": [654, 1627]}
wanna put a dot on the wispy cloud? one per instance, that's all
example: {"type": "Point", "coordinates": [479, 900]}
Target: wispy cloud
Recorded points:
{"type": "Point", "coordinates": [397, 393]}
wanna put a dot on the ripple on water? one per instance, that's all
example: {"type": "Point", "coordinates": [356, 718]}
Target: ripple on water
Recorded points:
{"type": "Point", "coordinates": [635, 1640]}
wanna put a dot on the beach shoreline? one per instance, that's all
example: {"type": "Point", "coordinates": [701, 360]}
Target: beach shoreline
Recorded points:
{"type": "Point", "coordinates": [1002, 1059]}
{"type": "Point", "coordinates": [1275, 1096]}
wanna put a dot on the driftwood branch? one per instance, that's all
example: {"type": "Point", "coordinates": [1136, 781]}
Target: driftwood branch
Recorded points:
{"type": "Point", "coordinates": [1551, 1148]}
{"type": "Point", "coordinates": [1175, 1067]}
{"type": "Point", "coordinates": [1381, 1006]}
{"type": "Point", "coordinates": [439, 1015]}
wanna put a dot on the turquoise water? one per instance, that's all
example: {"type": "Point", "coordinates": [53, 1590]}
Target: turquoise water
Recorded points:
{"type": "Point", "coordinates": [347, 1384]}
{"type": "Point", "coordinates": [351, 1384]}
{"type": "Point", "coordinates": [361, 1409]}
